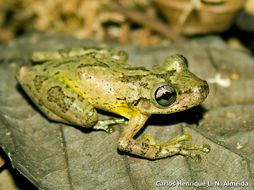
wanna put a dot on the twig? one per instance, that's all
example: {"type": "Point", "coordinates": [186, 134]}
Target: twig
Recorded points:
{"type": "Point", "coordinates": [151, 23]}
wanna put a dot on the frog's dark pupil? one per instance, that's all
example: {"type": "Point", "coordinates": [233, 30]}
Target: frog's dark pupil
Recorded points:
{"type": "Point", "coordinates": [165, 95]}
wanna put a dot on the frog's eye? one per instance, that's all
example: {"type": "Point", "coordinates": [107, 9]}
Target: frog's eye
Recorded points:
{"type": "Point", "coordinates": [165, 95]}
{"type": "Point", "coordinates": [176, 62]}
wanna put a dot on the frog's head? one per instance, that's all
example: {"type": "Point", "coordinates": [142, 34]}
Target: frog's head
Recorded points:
{"type": "Point", "coordinates": [177, 89]}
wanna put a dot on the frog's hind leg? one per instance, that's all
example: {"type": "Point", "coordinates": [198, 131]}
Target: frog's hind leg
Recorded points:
{"type": "Point", "coordinates": [43, 56]}
{"type": "Point", "coordinates": [56, 100]}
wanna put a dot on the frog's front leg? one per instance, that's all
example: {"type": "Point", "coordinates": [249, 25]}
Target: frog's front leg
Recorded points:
{"type": "Point", "coordinates": [155, 150]}
{"type": "Point", "coordinates": [105, 124]}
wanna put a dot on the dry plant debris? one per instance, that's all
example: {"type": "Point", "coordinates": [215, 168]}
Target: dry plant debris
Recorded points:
{"type": "Point", "coordinates": [123, 21]}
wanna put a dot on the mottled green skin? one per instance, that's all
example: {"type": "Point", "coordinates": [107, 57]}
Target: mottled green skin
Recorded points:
{"type": "Point", "coordinates": [72, 84]}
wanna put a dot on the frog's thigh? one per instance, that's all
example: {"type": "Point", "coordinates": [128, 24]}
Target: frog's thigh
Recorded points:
{"type": "Point", "coordinates": [68, 105]}
{"type": "Point", "coordinates": [57, 101]}
{"type": "Point", "coordinates": [42, 56]}
{"type": "Point", "coordinates": [51, 115]}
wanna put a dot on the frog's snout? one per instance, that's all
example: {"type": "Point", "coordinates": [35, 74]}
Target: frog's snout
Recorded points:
{"type": "Point", "coordinates": [202, 90]}
{"type": "Point", "coordinates": [22, 72]}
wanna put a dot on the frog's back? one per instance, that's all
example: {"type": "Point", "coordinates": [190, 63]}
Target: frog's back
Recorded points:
{"type": "Point", "coordinates": [92, 65]}
{"type": "Point", "coordinates": [102, 82]}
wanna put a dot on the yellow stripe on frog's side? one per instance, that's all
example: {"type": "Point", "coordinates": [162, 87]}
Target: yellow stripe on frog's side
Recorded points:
{"type": "Point", "coordinates": [69, 84]}
{"type": "Point", "coordinates": [119, 107]}
{"type": "Point", "coordinates": [126, 112]}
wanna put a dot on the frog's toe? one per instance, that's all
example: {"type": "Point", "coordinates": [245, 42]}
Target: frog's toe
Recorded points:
{"type": "Point", "coordinates": [175, 146]}
{"type": "Point", "coordinates": [177, 140]}
{"type": "Point", "coordinates": [187, 150]}
{"type": "Point", "coordinates": [194, 156]}
{"type": "Point", "coordinates": [203, 148]}
{"type": "Point", "coordinates": [109, 129]}
{"type": "Point", "coordinates": [105, 125]}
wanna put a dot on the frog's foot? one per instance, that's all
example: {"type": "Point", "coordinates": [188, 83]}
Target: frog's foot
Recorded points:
{"type": "Point", "coordinates": [105, 125]}
{"type": "Point", "coordinates": [175, 144]}
{"type": "Point", "coordinates": [177, 140]}
{"type": "Point", "coordinates": [147, 147]}
{"type": "Point", "coordinates": [185, 149]}
{"type": "Point", "coordinates": [151, 140]}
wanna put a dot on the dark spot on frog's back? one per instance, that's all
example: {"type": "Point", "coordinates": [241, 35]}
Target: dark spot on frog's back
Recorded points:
{"type": "Point", "coordinates": [38, 81]}
{"type": "Point", "coordinates": [57, 96]}
{"type": "Point", "coordinates": [96, 64]}
{"type": "Point", "coordinates": [137, 69]}
{"type": "Point", "coordinates": [121, 98]}
{"type": "Point", "coordinates": [144, 85]}
{"type": "Point", "coordinates": [65, 61]}
{"type": "Point", "coordinates": [57, 73]}
{"type": "Point", "coordinates": [130, 78]}
{"type": "Point", "coordinates": [166, 74]}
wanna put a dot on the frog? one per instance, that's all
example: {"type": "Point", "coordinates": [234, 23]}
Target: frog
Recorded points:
{"type": "Point", "coordinates": [71, 85]}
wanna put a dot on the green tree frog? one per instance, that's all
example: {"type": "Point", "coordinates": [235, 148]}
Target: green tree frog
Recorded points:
{"type": "Point", "coordinates": [72, 84]}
